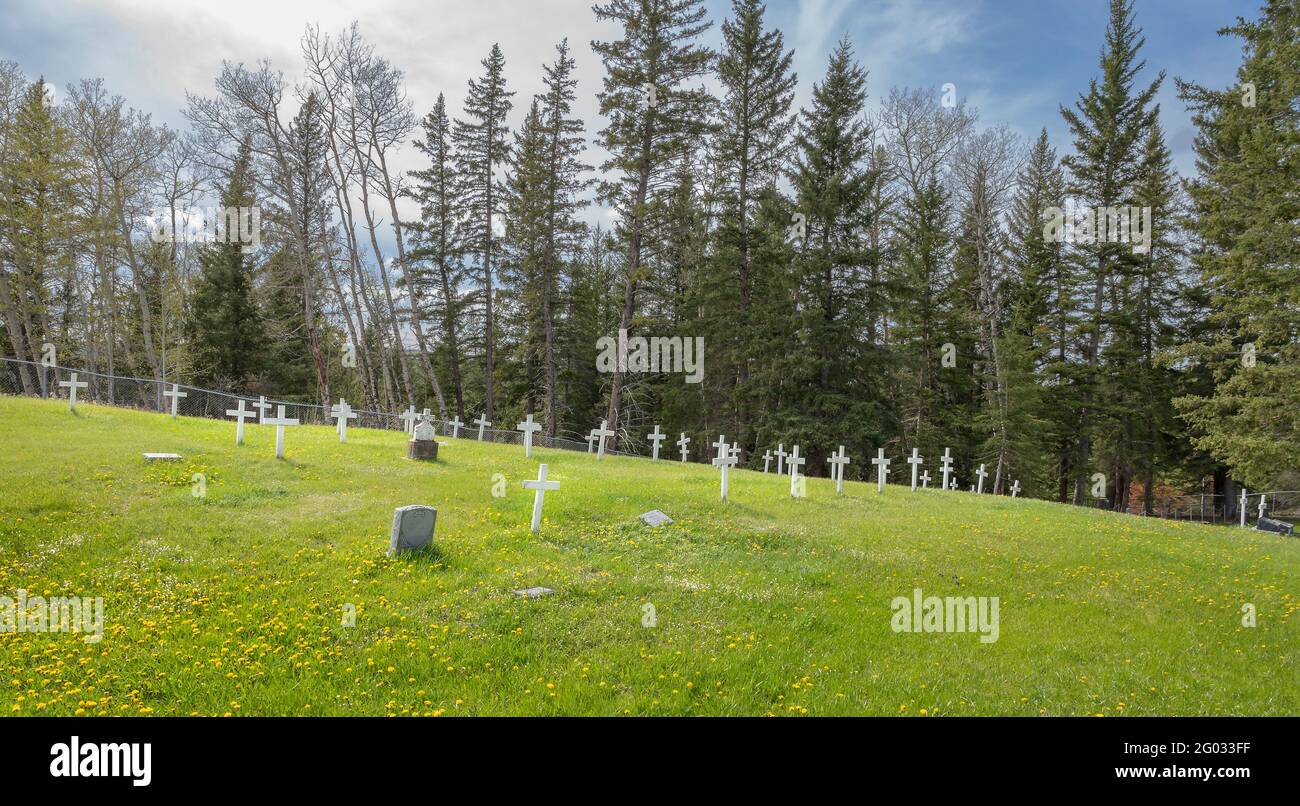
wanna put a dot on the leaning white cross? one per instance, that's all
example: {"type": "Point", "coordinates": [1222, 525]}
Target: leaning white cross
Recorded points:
{"type": "Point", "coordinates": [1263, 505]}
{"type": "Point", "coordinates": [342, 412]}
{"type": "Point", "coordinates": [541, 485]}
{"type": "Point", "coordinates": [953, 485]}
{"type": "Point", "coordinates": [279, 421]}
{"type": "Point", "coordinates": [780, 456]}
{"type": "Point", "coordinates": [795, 461]}
{"type": "Point", "coordinates": [455, 424]}
{"type": "Point", "coordinates": [882, 469]}
{"type": "Point", "coordinates": [175, 394]}
{"type": "Point", "coordinates": [482, 422]}
{"type": "Point", "coordinates": [838, 461]}
{"type": "Point", "coordinates": [767, 460]}
{"type": "Point", "coordinates": [925, 480]}
{"type": "Point", "coordinates": [1015, 488]}
{"type": "Point", "coordinates": [72, 385]}
{"type": "Point", "coordinates": [982, 473]}
{"type": "Point", "coordinates": [915, 462]}
{"type": "Point", "coordinates": [724, 460]}
{"type": "Point", "coordinates": [947, 469]}
{"type": "Point", "coordinates": [601, 433]}
{"type": "Point", "coordinates": [682, 443]}
{"type": "Point", "coordinates": [529, 428]}
{"type": "Point", "coordinates": [409, 417]}
{"type": "Point", "coordinates": [656, 437]}
{"type": "Point", "coordinates": [240, 413]}
{"type": "Point", "coordinates": [1243, 506]}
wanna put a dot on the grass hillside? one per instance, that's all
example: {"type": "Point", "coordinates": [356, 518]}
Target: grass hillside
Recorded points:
{"type": "Point", "coordinates": [233, 603]}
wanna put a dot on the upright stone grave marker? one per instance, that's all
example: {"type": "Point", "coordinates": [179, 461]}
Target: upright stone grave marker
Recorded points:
{"type": "Point", "coordinates": [412, 528]}
{"type": "Point", "coordinates": [838, 460]}
{"type": "Point", "coordinates": [947, 468]}
{"type": "Point", "coordinates": [600, 434]}
{"type": "Point", "coordinates": [482, 422]}
{"type": "Point", "coordinates": [682, 442]}
{"type": "Point", "coordinates": [724, 460]}
{"type": "Point", "coordinates": [423, 444]}
{"type": "Point", "coordinates": [795, 461]}
{"type": "Point", "coordinates": [342, 413]}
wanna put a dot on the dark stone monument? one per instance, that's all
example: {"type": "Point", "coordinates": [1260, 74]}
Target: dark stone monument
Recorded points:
{"type": "Point", "coordinates": [1272, 525]}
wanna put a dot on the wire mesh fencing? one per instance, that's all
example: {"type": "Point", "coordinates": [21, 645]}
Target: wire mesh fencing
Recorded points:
{"type": "Point", "coordinates": [147, 394]}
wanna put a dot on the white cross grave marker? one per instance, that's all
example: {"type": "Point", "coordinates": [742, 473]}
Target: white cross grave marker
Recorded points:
{"type": "Point", "coordinates": [72, 385]}
{"type": "Point", "coordinates": [1015, 488]}
{"type": "Point", "coordinates": [409, 417]}
{"type": "Point", "coordinates": [947, 468]}
{"type": "Point", "coordinates": [682, 443]}
{"type": "Point", "coordinates": [343, 412]}
{"type": "Point", "coordinates": [953, 485]}
{"type": "Point", "coordinates": [1263, 505]}
{"type": "Point", "coordinates": [241, 412]}
{"type": "Point", "coordinates": [795, 461]}
{"type": "Point", "coordinates": [175, 394]}
{"type": "Point", "coordinates": [279, 421]}
{"type": "Point", "coordinates": [915, 462]}
{"type": "Point", "coordinates": [724, 460]}
{"type": "Point", "coordinates": [838, 461]}
{"type": "Point", "coordinates": [529, 428]}
{"type": "Point", "coordinates": [455, 426]}
{"type": "Point", "coordinates": [780, 457]}
{"type": "Point", "coordinates": [482, 422]}
{"type": "Point", "coordinates": [925, 480]}
{"type": "Point", "coordinates": [982, 473]}
{"type": "Point", "coordinates": [767, 460]}
{"type": "Point", "coordinates": [591, 442]}
{"type": "Point", "coordinates": [1243, 506]}
{"type": "Point", "coordinates": [656, 437]}
{"type": "Point", "coordinates": [541, 485]}
{"type": "Point", "coordinates": [262, 407]}
{"type": "Point", "coordinates": [601, 433]}
{"type": "Point", "coordinates": [882, 469]}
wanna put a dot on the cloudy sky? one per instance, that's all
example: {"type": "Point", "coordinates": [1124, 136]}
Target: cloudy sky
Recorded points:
{"type": "Point", "coordinates": [1015, 60]}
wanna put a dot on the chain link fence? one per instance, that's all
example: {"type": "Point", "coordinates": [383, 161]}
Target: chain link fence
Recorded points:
{"type": "Point", "coordinates": [147, 394]}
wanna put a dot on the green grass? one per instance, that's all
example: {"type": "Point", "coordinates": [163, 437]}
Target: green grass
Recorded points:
{"type": "Point", "coordinates": [233, 603]}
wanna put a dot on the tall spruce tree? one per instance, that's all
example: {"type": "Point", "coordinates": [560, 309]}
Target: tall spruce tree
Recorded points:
{"type": "Point", "coordinates": [1109, 124]}
{"type": "Point", "coordinates": [654, 117]}
{"type": "Point", "coordinates": [481, 147]}
{"type": "Point", "coordinates": [1247, 224]}
{"type": "Point", "coordinates": [438, 245]}
{"type": "Point", "coordinates": [227, 339]}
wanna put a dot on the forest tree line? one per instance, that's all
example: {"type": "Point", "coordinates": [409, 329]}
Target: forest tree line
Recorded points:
{"type": "Point", "coordinates": [867, 277]}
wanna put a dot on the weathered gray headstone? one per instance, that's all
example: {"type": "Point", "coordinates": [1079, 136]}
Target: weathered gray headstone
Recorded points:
{"type": "Point", "coordinates": [412, 528]}
{"type": "Point", "coordinates": [655, 517]}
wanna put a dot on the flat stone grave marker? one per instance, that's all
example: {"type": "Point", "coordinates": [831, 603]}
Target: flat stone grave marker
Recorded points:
{"type": "Point", "coordinates": [162, 457]}
{"type": "Point", "coordinates": [412, 528]}
{"type": "Point", "coordinates": [655, 517]}
{"type": "Point", "coordinates": [1267, 524]}
{"type": "Point", "coordinates": [533, 593]}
